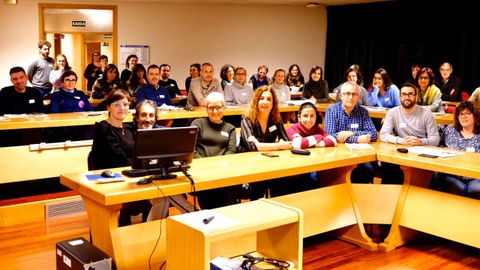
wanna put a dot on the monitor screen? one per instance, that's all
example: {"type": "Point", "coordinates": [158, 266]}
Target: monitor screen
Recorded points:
{"type": "Point", "coordinates": [159, 148]}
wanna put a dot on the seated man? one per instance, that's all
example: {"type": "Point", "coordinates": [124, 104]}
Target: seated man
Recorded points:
{"type": "Point", "coordinates": [153, 90]}
{"type": "Point", "coordinates": [146, 115]}
{"type": "Point", "coordinates": [260, 78]}
{"type": "Point", "coordinates": [407, 124]}
{"type": "Point", "coordinates": [349, 122]}
{"type": "Point", "coordinates": [215, 137]}
{"type": "Point", "coordinates": [20, 98]}
{"type": "Point", "coordinates": [165, 81]}
{"type": "Point", "coordinates": [202, 86]}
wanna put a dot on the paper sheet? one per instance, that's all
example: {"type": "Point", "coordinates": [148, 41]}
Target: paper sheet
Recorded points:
{"type": "Point", "coordinates": [440, 152]}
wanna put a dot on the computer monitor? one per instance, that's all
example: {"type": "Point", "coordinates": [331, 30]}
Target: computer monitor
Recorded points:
{"type": "Point", "coordinates": [158, 149]}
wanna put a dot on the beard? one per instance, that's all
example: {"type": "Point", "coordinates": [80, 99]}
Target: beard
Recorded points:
{"type": "Point", "coordinates": [407, 104]}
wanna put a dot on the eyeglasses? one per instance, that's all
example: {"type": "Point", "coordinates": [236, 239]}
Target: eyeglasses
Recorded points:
{"type": "Point", "coordinates": [465, 114]}
{"type": "Point", "coordinates": [119, 105]}
{"type": "Point", "coordinates": [241, 73]}
{"type": "Point", "coordinates": [250, 262]}
{"type": "Point", "coordinates": [213, 108]}
{"type": "Point", "coordinates": [411, 94]}
{"type": "Point", "coordinates": [347, 94]}
{"type": "Point", "coordinates": [423, 78]}
{"type": "Point", "coordinates": [70, 80]}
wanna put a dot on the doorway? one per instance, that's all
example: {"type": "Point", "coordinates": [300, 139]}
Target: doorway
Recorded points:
{"type": "Point", "coordinates": [77, 31]}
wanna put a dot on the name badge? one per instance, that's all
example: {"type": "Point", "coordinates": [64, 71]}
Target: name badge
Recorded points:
{"type": "Point", "coordinates": [403, 125]}
{"type": "Point", "coordinates": [353, 125]}
{"type": "Point", "coordinates": [224, 134]}
{"type": "Point", "coordinates": [470, 149]}
{"type": "Point", "coordinates": [244, 94]}
{"type": "Point", "coordinates": [387, 99]}
{"type": "Point", "coordinates": [76, 97]}
{"type": "Point", "coordinates": [284, 94]}
{"type": "Point", "coordinates": [272, 128]}
{"type": "Point", "coordinates": [31, 101]}
{"type": "Point", "coordinates": [172, 85]}
{"type": "Point", "coordinates": [162, 96]}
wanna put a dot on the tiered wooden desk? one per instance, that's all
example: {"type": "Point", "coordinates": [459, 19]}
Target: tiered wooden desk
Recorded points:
{"type": "Point", "coordinates": [420, 209]}
{"type": "Point", "coordinates": [103, 202]}
{"type": "Point", "coordinates": [274, 231]}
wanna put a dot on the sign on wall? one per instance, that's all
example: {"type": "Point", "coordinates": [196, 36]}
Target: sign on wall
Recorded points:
{"type": "Point", "coordinates": [79, 23]}
{"type": "Point", "coordinates": [141, 51]}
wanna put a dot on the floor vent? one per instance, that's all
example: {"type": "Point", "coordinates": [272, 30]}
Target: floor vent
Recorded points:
{"type": "Point", "coordinates": [64, 208]}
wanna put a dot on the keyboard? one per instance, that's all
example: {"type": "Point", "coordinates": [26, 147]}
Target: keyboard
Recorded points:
{"type": "Point", "coordinates": [145, 172]}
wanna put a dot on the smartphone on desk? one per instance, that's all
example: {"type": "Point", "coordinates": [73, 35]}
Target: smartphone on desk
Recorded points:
{"type": "Point", "coordinates": [427, 156]}
{"type": "Point", "coordinates": [268, 154]}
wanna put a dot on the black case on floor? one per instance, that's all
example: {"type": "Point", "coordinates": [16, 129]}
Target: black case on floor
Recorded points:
{"type": "Point", "coordinates": [80, 254]}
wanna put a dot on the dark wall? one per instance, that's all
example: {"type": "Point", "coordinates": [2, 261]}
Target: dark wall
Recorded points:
{"type": "Point", "coordinates": [396, 34]}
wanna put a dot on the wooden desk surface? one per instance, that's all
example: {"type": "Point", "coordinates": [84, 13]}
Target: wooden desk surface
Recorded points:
{"type": "Point", "coordinates": [467, 164]}
{"type": "Point", "coordinates": [219, 171]}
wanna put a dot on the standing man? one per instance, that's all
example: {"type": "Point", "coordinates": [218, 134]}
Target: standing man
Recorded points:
{"type": "Point", "coordinates": [202, 86]}
{"type": "Point", "coordinates": [19, 98]}
{"type": "Point", "coordinates": [349, 122]}
{"type": "Point", "coordinates": [449, 85]}
{"type": "Point", "coordinates": [260, 78]}
{"type": "Point", "coordinates": [39, 70]}
{"type": "Point", "coordinates": [407, 124]}
{"type": "Point", "coordinates": [165, 81]}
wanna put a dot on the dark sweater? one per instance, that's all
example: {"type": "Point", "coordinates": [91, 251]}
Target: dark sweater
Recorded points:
{"type": "Point", "coordinates": [214, 139]}
{"type": "Point", "coordinates": [13, 102]}
{"type": "Point", "coordinates": [64, 101]}
{"type": "Point", "coordinates": [319, 90]}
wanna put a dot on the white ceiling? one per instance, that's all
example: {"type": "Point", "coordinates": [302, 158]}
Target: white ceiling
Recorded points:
{"type": "Point", "coordinates": [265, 2]}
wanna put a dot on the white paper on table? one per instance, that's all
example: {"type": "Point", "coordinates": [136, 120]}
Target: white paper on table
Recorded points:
{"type": "Point", "coordinates": [195, 220]}
{"type": "Point", "coordinates": [440, 152]}
{"type": "Point", "coordinates": [13, 116]}
{"type": "Point", "coordinates": [358, 146]}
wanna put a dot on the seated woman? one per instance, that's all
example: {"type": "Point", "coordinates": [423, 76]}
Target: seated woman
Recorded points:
{"type": "Point", "coordinates": [61, 65]}
{"type": "Point", "coordinates": [113, 143]}
{"type": "Point", "coordinates": [239, 92]}
{"type": "Point", "coordinates": [226, 73]}
{"type": "Point", "coordinates": [463, 135]}
{"type": "Point", "coordinates": [307, 132]}
{"type": "Point", "coordinates": [430, 96]}
{"type": "Point", "coordinates": [353, 74]}
{"type": "Point", "coordinates": [316, 89]}
{"type": "Point", "coordinates": [194, 73]}
{"type": "Point", "coordinates": [295, 79]}
{"type": "Point", "coordinates": [263, 130]}
{"type": "Point", "coordinates": [281, 89]}
{"type": "Point", "coordinates": [215, 138]}
{"type": "Point", "coordinates": [137, 80]}
{"type": "Point", "coordinates": [384, 93]}
{"type": "Point", "coordinates": [69, 99]}
{"type": "Point", "coordinates": [146, 115]}
{"type": "Point", "coordinates": [109, 80]}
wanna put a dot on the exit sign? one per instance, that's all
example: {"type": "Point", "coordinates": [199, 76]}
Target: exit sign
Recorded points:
{"type": "Point", "coordinates": [79, 23]}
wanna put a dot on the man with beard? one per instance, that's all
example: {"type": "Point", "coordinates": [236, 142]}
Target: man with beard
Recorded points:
{"type": "Point", "coordinates": [407, 124]}
{"type": "Point", "coordinates": [260, 78]}
{"type": "Point", "coordinates": [39, 70]}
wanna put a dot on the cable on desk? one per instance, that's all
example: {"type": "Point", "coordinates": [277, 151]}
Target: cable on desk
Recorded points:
{"type": "Point", "coordinates": [166, 205]}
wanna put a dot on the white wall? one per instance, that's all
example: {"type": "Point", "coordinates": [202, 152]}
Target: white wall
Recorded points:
{"type": "Point", "coordinates": [181, 34]}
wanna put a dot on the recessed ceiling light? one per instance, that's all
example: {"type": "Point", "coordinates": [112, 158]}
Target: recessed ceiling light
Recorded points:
{"type": "Point", "coordinates": [313, 5]}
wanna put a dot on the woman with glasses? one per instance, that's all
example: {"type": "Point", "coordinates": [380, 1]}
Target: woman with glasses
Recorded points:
{"type": "Point", "coordinates": [69, 99]}
{"type": "Point", "coordinates": [463, 135]}
{"type": "Point", "coordinates": [239, 92]}
{"type": "Point", "coordinates": [384, 94]}
{"type": "Point", "coordinates": [215, 138]}
{"type": "Point", "coordinates": [430, 96]}
{"type": "Point", "coordinates": [113, 143]}
{"type": "Point", "coordinates": [353, 74]}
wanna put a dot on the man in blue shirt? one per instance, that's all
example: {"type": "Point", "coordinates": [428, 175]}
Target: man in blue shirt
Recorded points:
{"type": "Point", "coordinates": [348, 122]}
{"type": "Point", "coordinates": [153, 91]}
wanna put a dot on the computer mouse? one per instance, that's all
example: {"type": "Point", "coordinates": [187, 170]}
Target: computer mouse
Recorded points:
{"type": "Point", "coordinates": [108, 174]}
{"type": "Point", "coordinates": [299, 151]}
{"type": "Point", "coordinates": [145, 180]}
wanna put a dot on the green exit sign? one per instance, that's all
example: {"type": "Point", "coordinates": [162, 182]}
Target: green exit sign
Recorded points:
{"type": "Point", "coordinates": [79, 23]}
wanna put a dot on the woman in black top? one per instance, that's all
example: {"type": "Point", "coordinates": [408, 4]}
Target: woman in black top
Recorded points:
{"type": "Point", "coordinates": [132, 60]}
{"type": "Point", "coordinates": [316, 89]}
{"type": "Point", "coordinates": [113, 143]}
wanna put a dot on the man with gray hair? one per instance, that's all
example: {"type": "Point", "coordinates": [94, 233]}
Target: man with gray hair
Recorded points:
{"type": "Point", "coordinates": [215, 138]}
{"type": "Point", "coordinates": [349, 122]}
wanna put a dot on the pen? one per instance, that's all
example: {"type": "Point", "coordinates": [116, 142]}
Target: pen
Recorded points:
{"type": "Point", "coordinates": [208, 219]}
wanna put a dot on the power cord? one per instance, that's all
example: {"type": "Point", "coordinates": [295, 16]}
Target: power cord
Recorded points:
{"type": "Point", "coordinates": [184, 171]}
{"type": "Point", "coordinates": [166, 205]}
